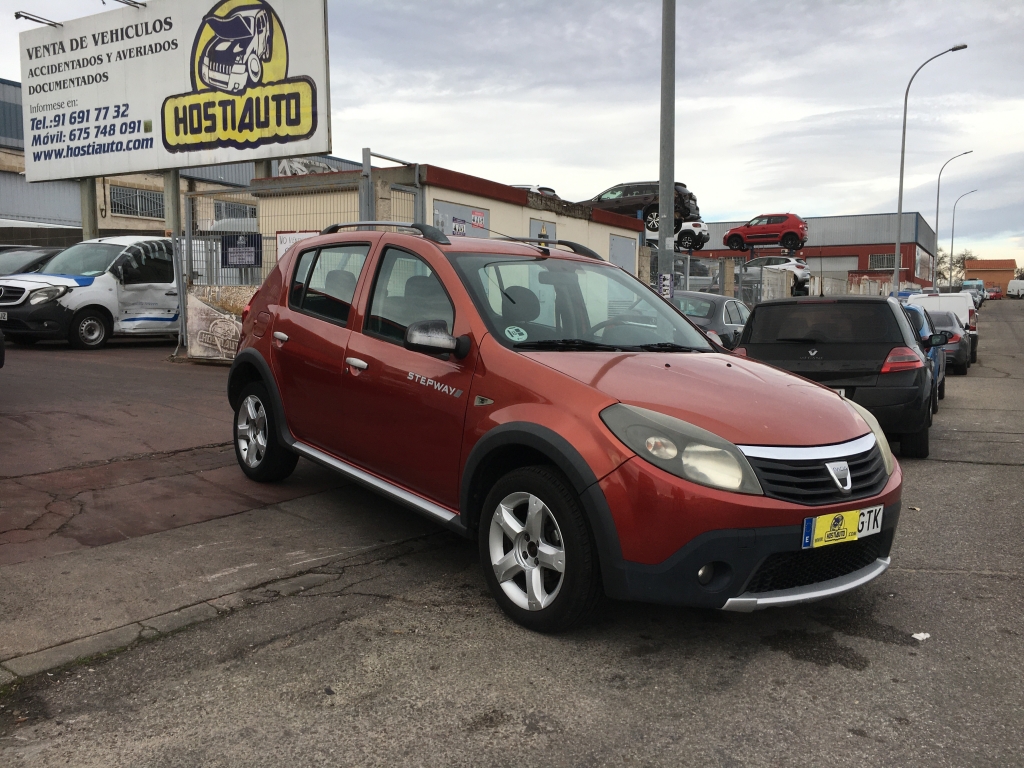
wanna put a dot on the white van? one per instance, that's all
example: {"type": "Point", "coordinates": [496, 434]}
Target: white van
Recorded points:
{"type": "Point", "coordinates": [1015, 288]}
{"type": "Point", "coordinates": [962, 304]}
{"type": "Point", "coordinates": [92, 291]}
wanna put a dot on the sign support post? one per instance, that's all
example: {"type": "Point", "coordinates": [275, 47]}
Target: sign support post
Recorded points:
{"type": "Point", "coordinates": [90, 220]}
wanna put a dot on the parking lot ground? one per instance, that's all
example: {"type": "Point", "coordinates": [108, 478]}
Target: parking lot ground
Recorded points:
{"type": "Point", "coordinates": [98, 447]}
{"type": "Point", "coordinates": [389, 650]}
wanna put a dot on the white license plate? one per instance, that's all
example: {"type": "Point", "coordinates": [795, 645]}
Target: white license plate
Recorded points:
{"type": "Point", "coordinates": [840, 391]}
{"type": "Point", "coordinates": [3, 315]}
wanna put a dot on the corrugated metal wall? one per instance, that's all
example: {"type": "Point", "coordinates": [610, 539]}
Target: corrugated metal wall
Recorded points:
{"type": "Point", "coordinates": [867, 229]}
{"type": "Point", "coordinates": [48, 202]}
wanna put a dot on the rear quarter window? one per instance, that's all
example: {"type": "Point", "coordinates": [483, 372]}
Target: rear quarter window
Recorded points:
{"type": "Point", "coordinates": [838, 323]}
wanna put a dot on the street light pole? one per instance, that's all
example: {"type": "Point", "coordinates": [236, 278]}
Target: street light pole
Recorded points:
{"type": "Point", "coordinates": [903, 152]}
{"type": "Point", "coordinates": [666, 172]}
{"type": "Point", "coordinates": [938, 187]}
{"type": "Point", "coordinates": [952, 232]}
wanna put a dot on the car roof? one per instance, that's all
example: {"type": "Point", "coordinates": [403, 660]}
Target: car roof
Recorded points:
{"type": "Point", "coordinates": [844, 299]}
{"type": "Point", "coordinates": [700, 295]}
{"type": "Point", "coordinates": [125, 239]}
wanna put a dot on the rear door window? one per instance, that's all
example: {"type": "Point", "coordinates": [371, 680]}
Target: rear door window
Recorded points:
{"type": "Point", "coordinates": [326, 285]}
{"type": "Point", "coordinates": [829, 322]}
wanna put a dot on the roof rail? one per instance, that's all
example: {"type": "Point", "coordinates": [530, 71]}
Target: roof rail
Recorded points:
{"type": "Point", "coordinates": [582, 250]}
{"type": "Point", "coordinates": [433, 234]}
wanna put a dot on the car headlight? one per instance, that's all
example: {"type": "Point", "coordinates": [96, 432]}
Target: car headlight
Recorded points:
{"type": "Point", "coordinates": [682, 449]}
{"type": "Point", "coordinates": [43, 295]}
{"type": "Point", "coordinates": [880, 438]}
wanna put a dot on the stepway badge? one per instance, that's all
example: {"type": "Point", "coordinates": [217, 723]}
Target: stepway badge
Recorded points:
{"type": "Point", "coordinates": [241, 94]}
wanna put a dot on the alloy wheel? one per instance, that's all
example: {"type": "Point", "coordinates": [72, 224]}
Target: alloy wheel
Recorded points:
{"type": "Point", "coordinates": [527, 551]}
{"type": "Point", "coordinates": [251, 431]}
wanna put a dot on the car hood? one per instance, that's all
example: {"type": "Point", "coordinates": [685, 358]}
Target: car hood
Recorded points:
{"type": "Point", "coordinates": [743, 401]}
{"type": "Point", "coordinates": [32, 281]}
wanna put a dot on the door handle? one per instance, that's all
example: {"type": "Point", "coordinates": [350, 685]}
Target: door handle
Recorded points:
{"type": "Point", "coordinates": [171, 293]}
{"type": "Point", "coordinates": [355, 362]}
{"type": "Point", "coordinates": [282, 337]}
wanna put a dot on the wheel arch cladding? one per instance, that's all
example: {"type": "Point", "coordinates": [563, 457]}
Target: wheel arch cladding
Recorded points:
{"type": "Point", "coordinates": [520, 444]}
{"type": "Point", "coordinates": [248, 367]}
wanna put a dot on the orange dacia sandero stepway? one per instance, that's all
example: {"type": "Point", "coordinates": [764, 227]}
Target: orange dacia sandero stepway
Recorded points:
{"type": "Point", "coordinates": [554, 407]}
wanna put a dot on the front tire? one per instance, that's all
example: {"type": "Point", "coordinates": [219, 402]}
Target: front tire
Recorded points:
{"type": "Point", "coordinates": [651, 220]}
{"type": "Point", "coordinates": [536, 550]}
{"type": "Point", "coordinates": [257, 448]}
{"type": "Point", "coordinates": [942, 389]}
{"type": "Point", "coordinates": [686, 241]}
{"type": "Point", "coordinates": [736, 243]}
{"type": "Point", "coordinates": [89, 329]}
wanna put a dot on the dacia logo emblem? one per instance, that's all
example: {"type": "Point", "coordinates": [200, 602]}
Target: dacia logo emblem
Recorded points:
{"type": "Point", "coordinates": [242, 96]}
{"type": "Point", "coordinates": [840, 472]}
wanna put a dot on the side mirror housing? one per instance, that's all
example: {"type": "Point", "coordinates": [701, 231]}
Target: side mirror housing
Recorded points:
{"type": "Point", "coordinates": [935, 340]}
{"type": "Point", "coordinates": [432, 338]}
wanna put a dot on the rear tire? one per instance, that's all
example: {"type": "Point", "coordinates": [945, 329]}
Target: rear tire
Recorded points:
{"type": "Point", "coordinates": [685, 241]}
{"type": "Point", "coordinates": [915, 445]}
{"type": "Point", "coordinates": [257, 448]}
{"type": "Point", "coordinates": [533, 514]}
{"type": "Point", "coordinates": [790, 241]}
{"type": "Point", "coordinates": [935, 400]}
{"type": "Point", "coordinates": [89, 329]}
{"type": "Point", "coordinates": [650, 216]}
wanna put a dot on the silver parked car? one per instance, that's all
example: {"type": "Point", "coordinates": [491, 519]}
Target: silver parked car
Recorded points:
{"type": "Point", "coordinates": [723, 315]}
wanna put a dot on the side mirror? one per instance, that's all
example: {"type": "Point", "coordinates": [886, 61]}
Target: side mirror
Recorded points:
{"type": "Point", "coordinates": [431, 337]}
{"type": "Point", "coordinates": [935, 340]}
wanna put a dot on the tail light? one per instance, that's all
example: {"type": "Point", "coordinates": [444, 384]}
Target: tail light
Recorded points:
{"type": "Point", "coordinates": [954, 338]}
{"type": "Point", "coordinates": [740, 351]}
{"type": "Point", "coordinates": [902, 359]}
{"type": "Point", "coordinates": [972, 320]}
{"type": "Point", "coordinates": [696, 225]}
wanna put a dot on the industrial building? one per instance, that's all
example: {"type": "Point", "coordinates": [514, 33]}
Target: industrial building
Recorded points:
{"type": "Point", "coordinates": [859, 245]}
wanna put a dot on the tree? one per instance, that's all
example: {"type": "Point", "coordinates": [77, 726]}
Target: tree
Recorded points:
{"type": "Point", "coordinates": [943, 272]}
{"type": "Point", "coordinates": [1020, 273]}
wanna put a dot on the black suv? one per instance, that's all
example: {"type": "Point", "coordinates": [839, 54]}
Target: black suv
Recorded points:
{"type": "Point", "coordinates": [864, 347]}
{"type": "Point", "coordinates": [627, 199]}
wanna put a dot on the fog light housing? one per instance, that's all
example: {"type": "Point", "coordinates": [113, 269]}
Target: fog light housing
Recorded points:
{"type": "Point", "coordinates": [705, 574]}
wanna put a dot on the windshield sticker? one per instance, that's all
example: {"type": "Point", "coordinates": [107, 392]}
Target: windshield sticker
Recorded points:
{"type": "Point", "coordinates": [442, 388]}
{"type": "Point", "coordinates": [515, 333]}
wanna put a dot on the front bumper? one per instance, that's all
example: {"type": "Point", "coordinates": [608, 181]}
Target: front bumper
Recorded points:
{"type": "Point", "coordinates": [43, 321]}
{"type": "Point", "coordinates": [668, 529]}
{"type": "Point", "coordinates": [748, 601]}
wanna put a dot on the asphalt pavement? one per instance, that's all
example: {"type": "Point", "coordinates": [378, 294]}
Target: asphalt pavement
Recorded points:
{"type": "Point", "coordinates": [334, 628]}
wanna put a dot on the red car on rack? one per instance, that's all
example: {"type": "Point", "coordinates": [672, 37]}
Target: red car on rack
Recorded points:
{"type": "Point", "coordinates": [785, 229]}
{"type": "Point", "coordinates": [577, 425]}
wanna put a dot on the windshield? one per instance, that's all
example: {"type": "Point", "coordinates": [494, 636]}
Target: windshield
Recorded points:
{"type": "Point", "coordinates": [13, 262]}
{"type": "Point", "coordinates": [551, 303]}
{"type": "Point", "coordinates": [693, 307]}
{"type": "Point", "coordinates": [86, 259]}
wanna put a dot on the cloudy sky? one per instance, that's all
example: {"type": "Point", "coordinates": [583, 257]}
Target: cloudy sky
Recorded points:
{"type": "Point", "coordinates": [792, 106]}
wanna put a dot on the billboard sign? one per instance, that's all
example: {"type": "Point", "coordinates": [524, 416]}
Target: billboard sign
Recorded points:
{"type": "Point", "coordinates": [175, 84]}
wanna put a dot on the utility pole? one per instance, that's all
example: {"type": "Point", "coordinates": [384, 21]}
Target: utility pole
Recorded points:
{"type": "Point", "coordinates": [666, 174]}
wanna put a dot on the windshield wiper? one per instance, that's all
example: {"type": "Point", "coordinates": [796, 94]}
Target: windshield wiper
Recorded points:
{"type": "Point", "coordinates": [669, 346]}
{"type": "Point", "coordinates": [583, 345]}
{"type": "Point", "coordinates": [799, 340]}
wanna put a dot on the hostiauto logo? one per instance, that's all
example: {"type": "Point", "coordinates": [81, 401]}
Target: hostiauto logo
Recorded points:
{"type": "Point", "coordinates": [241, 94]}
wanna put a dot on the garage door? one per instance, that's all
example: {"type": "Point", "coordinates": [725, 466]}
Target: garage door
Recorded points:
{"type": "Point", "coordinates": [832, 266]}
